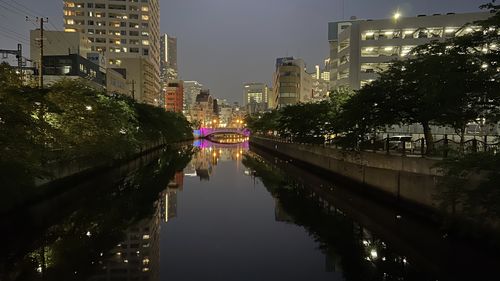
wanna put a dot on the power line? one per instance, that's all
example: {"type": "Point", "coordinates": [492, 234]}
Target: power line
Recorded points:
{"type": "Point", "coordinates": [21, 5]}
{"type": "Point", "coordinates": [13, 37]}
{"type": "Point", "coordinates": [16, 10]}
{"type": "Point", "coordinates": [13, 11]}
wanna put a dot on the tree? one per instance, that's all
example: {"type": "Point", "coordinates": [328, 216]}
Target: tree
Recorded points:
{"type": "Point", "coordinates": [9, 78]}
{"type": "Point", "coordinates": [305, 122]}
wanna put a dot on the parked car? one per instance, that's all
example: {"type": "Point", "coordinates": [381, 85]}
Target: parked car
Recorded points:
{"type": "Point", "coordinates": [396, 142]}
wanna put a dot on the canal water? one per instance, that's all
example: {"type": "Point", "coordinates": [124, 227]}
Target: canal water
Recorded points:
{"type": "Point", "coordinates": [225, 212]}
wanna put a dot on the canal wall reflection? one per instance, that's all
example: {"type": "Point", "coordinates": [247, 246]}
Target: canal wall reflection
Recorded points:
{"type": "Point", "coordinates": [365, 239]}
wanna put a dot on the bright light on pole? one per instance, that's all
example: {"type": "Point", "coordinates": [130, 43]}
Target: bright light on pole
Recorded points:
{"type": "Point", "coordinates": [397, 15]}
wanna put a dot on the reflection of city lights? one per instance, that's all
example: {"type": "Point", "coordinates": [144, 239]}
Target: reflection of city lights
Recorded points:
{"type": "Point", "coordinates": [374, 254]}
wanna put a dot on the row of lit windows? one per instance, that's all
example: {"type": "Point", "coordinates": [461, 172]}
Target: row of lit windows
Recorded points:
{"type": "Point", "coordinates": [103, 6]}
{"type": "Point", "coordinates": [119, 41]}
{"type": "Point", "coordinates": [116, 32]}
{"type": "Point", "coordinates": [103, 23]}
{"type": "Point", "coordinates": [145, 51]}
{"type": "Point", "coordinates": [386, 51]}
{"type": "Point", "coordinates": [431, 32]}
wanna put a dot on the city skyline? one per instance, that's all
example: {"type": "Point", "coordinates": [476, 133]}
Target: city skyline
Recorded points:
{"type": "Point", "coordinates": [259, 32]}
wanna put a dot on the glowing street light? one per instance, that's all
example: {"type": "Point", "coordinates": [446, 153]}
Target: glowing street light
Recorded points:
{"type": "Point", "coordinates": [397, 15]}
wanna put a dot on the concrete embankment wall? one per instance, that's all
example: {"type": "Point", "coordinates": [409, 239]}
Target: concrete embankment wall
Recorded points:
{"type": "Point", "coordinates": [412, 179]}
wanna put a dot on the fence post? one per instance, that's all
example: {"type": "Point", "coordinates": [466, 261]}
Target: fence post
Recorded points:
{"type": "Point", "coordinates": [422, 146]}
{"type": "Point", "coordinates": [403, 143]}
{"type": "Point", "coordinates": [485, 143]}
{"type": "Point", "coordinates": [445, 152]}
{"type": "Point", "coordinates": [474, 145]}
{"type": "Point", "coordinates": [387, 144]}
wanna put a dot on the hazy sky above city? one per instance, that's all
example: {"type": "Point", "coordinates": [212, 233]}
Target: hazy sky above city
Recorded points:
{"type": "Point", "coordinates": [225, 43]}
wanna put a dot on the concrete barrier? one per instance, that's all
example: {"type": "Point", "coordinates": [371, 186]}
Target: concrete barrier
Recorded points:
{"type": "Point", "coordinates": [413, 179]}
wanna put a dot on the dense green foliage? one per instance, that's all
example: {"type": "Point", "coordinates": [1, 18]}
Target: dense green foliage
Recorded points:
{"type": "Point", "coordinates": [71, 122]}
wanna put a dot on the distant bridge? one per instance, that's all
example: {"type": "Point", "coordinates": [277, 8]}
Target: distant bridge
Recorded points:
{"type": "Point", "coordinates": [205, 132]}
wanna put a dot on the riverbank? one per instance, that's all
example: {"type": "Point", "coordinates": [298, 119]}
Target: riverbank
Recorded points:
{"type": "Point", "coordinates": [409, 183]}
{"type": "Point", "coordinates": [63, 174]}
{"type": "Point", "coordinates": [410, 179]}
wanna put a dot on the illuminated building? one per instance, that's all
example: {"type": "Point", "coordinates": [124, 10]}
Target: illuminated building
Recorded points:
{"type": "Point", "coordinates": [255, 97]}
{"type": "Point", "coordinates": [127, 33]}
{"type": "Point", "coordinates": [168, 58]}
{"type": "Point", "coordinates": [191, 90]}
{"type": "Point", "coordinates": [360, 49]}
{"type": "Point", "coordinates": [174, 93]}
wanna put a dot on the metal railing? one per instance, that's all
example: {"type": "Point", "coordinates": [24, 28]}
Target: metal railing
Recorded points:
{"type": "Point", "coordinates": [444, 147]}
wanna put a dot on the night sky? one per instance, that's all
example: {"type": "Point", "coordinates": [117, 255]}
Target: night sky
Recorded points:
{"type": "Point", "coordinates": [225, 43]}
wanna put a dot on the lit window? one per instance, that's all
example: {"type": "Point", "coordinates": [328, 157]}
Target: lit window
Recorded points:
{"type": "Point", "coordinates": [145, 42]}
{"type": "Point", "coordinates": [145, 9]}
{"type": "Point", "coordinates": [70, 21]}
{"type": "Point", "coordinates": [145, 17]}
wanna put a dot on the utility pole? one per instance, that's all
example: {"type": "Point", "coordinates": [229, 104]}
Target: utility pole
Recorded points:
{"type": "Point", "coordinates": [40, 67]}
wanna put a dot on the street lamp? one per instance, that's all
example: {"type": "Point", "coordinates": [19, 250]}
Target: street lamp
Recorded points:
{"type": "Point", "coordinates": [396, 15]}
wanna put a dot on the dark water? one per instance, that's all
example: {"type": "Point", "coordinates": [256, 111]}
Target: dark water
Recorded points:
{"type": "Point", "coordinates": [222, 212]}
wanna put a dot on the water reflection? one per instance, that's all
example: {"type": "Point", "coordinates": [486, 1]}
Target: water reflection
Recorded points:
{"type": "Point", "coordinates": [210, 153]}
{"type": "Point", "coordinates": [109, 230]}
{"type": "Point", "coordinates": [221, 212]}
{"type": "Point", "coordinates": [363, 239]}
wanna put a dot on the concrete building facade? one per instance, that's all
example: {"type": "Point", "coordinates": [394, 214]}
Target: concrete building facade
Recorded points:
{"type": "Point", "coordinates": [291, 83]}
{"type": "Point", "coordinates": [360, 49]}
{"type": "Point", "coordinates": [127, 33]}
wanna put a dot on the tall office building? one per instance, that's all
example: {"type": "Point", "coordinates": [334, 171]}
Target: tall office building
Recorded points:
{"type": "Point", "coordinates": [255, 97]}
{"type": "Point", "coordinates": [359, 49]}
{"type": "Point", "coordinates": [168, 58]}
{"type": "Point", "coordinates": [291, 83]}
{"type": "Point", "coordinates": [127, 33]}
{"type": "Point", "coordinates": [191, 90]}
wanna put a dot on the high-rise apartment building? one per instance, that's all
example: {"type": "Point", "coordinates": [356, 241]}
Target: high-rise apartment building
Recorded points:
{"type": "Point", "coordinates": [360, 49]}
{"type": "Point", "coordinates": [128, 35]}
{"type": "Point", "coordinates": [255, 97]}
{"type": "Point", "coordinates": [291, 83]}
{"type": "Point", "coordinates": [168, 58]}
